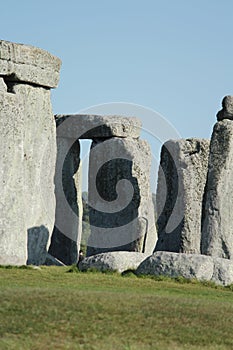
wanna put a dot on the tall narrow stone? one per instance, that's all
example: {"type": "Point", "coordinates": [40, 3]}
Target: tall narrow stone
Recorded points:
{"type": "Point", "coordinates": [121, 209]}
{"type": "Point", "coordinates": [13, 233]}
{"type": "Point", "coordinates": [28, 149]}
{"type": "Point", "coordinates": [217, 230]}
{"type": "Point", "coordinates": [180, 189]}
{"type": "Point", "coordinates": [68, 224]}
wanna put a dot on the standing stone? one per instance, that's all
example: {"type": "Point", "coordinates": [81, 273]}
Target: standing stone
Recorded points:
{"type": "Point", "coordinates": [13, 233]}
{"type": "Point", "coordinates": [180, 189]}
{"type": "Point", "coordinates": [29, 147]}
{"type": "Point", "coordinates": [217, 230]}
{"type": "Point", "coordinates": [39, 168]}
{"type": "Point", "coordinates": [66, 236]}
{"type": "Point", "coordinates": [121, 209]}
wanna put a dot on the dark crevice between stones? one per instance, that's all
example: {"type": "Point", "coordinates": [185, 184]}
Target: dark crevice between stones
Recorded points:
{"type": "Point", "coordinates": [11, 80]}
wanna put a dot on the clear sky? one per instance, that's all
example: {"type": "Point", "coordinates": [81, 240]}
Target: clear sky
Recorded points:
{"type": "Point", "coordinates": [173, 56]}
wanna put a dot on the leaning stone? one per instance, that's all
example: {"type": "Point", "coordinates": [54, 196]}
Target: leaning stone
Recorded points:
{"type": "Point", "coordinates": [84, 126]}
{"type": "Point", "coordinates": [28, 64]}
{"type": "Point", "coordinates": [180, 189]}
{"type": "Point", "coordinates": [113, 261]}
{"type": "Point", "coordinates": [217, 228]}
{"type": "Point", "coordinates": [178, 264]}
{"type": "Point", "coordinates": [223, 271]}
{"type": "Point", "coordinates": [68, 190]}
{"type": "Point", "coordinates": [227, 109]}
{"type": "Point", "coordinates": [13, 231]}
{"type": "Point", "coordinates": [121, 209]}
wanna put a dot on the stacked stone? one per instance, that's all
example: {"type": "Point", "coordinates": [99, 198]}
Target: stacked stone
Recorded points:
{"type": "Point", "coordinates": [180, 190]}
{"type": "Point", "coordinates": [120, 200]}
{"type": "Point", "coordinates": [28, 152]}
{"type": "Point", "coordinates": [217, 230]}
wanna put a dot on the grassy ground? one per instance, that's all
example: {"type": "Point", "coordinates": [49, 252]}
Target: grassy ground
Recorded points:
{"type": "Point", "coordinates": [50, 308]}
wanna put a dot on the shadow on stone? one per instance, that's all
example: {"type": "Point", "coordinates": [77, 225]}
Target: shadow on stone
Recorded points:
{"type": "Point", "coordinates": [37, 239]}
{"type": "Point", "coordinates": [64, 242]}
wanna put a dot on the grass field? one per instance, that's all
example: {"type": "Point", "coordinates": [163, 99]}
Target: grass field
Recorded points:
{"type": "Point", "coordinates": [51, 308]}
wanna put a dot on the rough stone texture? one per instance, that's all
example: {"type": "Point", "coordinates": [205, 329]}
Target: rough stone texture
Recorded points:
{"type": "Point", "coordinates": [217, 230]}
{"type": "Point", "coordinates": [223, 271]}
{"type": "Point", "coordinates": [27, 190]}
{"type": "Point", "coordinates": [3, 87]}
{"type": "Point", "coordinates": [121, 209]}
{"type": "Point", "coordinates": [180, 189]}
{"type": "Point", "coordinates": [28, 64]}
{"type": "Point", "coordinates": [113, 261]}
{"type": "Point", "coordinates": [28, 153]}
{"type": "Point", "coordinates": [84, 126]}
{"type": "Point", "coordinates": [13, 233]}
{"type": "Point", "coordinates": [171, 264]}
{"type": "Point", "coordinates": [39, 157]}
{"type": "Point", "coordinates": [68, 224]}
{"type": "Point", "coordinates": [227, 109]}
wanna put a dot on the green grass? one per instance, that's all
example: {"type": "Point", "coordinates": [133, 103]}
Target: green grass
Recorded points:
{"type": "Point", "coordinates": [49, 308]}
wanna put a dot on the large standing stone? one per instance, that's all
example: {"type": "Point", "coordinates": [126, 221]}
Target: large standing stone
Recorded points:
{"type": "Point", "coordinates": [28, 149]}
{"type": "Point", "coordinates": [217, 230]}
{"type": "Point", "coordinates": [13, 234]}
{"type": "Point", "coordinates": [181, 183]}
{"type": "Point", "coordinates": [39, 168]}
{"type": "Point", "coordinates": [68, 224]}
{"type": "Point", "coordinates": [121, 209]}
{"type": "Point", "coordinates": [85, 126]}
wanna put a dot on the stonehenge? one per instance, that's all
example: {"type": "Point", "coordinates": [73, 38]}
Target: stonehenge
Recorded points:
{"type": "Point", "coordinates": [120, 199]}
{"type": "Point", "coordinates": [180, 190]}
{"type": "Point", "coordinates": [66, 235]}
{"type": "Point", "coordinates": [28, 152]}
{"type": "Point", "coordinates": [41, 184]}
{"type": "Point", "coordinates": [217, 229]}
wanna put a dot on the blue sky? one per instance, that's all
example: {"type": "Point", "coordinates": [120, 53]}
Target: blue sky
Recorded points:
{"type": "Point", "coordinates": [174, 57]}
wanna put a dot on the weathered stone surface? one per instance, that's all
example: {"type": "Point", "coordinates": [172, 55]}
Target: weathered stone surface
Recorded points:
{"type": "Point", "coordinates": [39, 157]}
{"type": "Point", "coordinates": [3, 87]}
{"type": "Point", "coordinates": [113, 261]}
{"type": "Point", "coordinates": [28, 153]}
{"type": "Point", "coordinates": [227, 109]}
{"type": "Point", "coordinates": [217, 230]}
{"type": "Point", "coordinates": [68, 224]}
{"type": "Point", "coordinates": [171, 264]}
{"type": "Point", "coordinates": [180, 189]}
{"type": "Point", "coordinates": [223, 271]}
{"type": "Point", "coordinates": [84, 126]}
{"type": "Point", "coordinates": [121, 209]}
{"type": "Point", "coordinates": [13, 233]}
{"type": "Point", "coordinates": [29, 64]}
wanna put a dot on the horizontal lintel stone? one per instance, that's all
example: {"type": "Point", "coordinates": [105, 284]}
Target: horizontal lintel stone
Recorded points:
{"type": "Point", "coordinates": [84, 126]}
{"type": "Point", "coordinates": [28, 64]}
